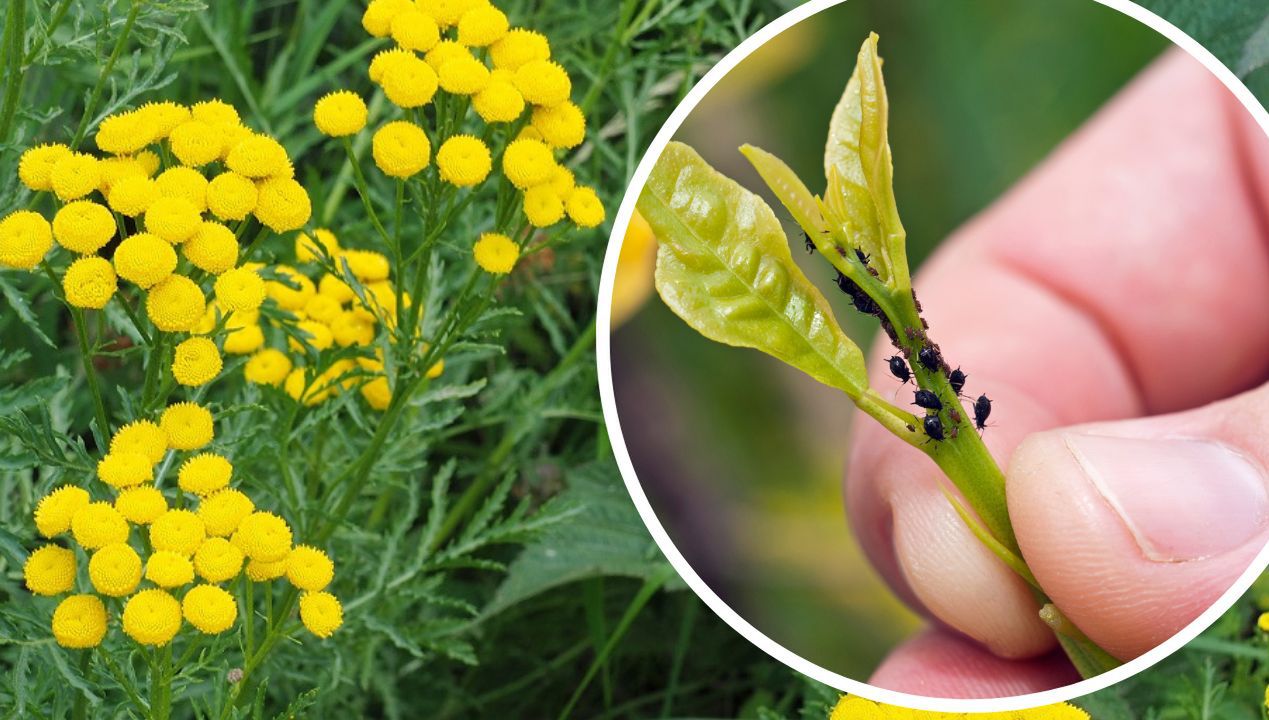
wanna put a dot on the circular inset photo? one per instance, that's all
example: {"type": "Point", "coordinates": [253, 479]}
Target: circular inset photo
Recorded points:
{"type": "Point", "coordinates": [943, 378]}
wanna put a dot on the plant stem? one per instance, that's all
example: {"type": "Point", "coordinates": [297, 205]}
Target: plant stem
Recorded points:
{"type": "Point", "coordinates": [12, 43]}
{"type": "Point", "coordinates": [363, 189]}
{"type": "Point", "coordinates": [80, 710]}
{"type": "Point", "coordinates": [90, 372]}
{"type": "Point", "coordinates": [109, 67]}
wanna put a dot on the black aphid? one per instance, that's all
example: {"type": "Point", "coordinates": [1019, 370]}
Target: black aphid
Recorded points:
{"type": "Point", "coordinates": [899, 369]}
{"type": "Point", "coordinates": [933, 427]}
{"type": "Point", "coordinates": [863, 256]}
{"type": "Point", "coordinates": [928, 400]}
{"type": "Point", "coordinates": [929, 357]}
{"type": "Point", "coordinates": [864, 304]}
{"type": "Point", "coordinates": [982, 409]}
{"type": "Point", "coordinates": [956, 379]}
{"type": "Point", "coordinates": [810, 246]}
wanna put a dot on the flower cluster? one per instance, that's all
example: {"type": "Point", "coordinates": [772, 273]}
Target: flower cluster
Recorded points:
{"type": "Point", "coordinates": [187, 551]}
{"type": "Point", "coordinates": [324, 310]}
{"type": "Point", "coordinates": [857, 708]}
{"type": "Point", "coordinates": [461, 55]}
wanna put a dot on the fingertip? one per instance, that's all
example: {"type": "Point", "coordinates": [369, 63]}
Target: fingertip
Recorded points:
{"type": "Point", "coordinates": [937, 663]}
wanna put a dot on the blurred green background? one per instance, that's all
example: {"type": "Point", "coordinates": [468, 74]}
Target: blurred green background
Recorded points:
{"type": "Point", "coordinates": [723, 440]}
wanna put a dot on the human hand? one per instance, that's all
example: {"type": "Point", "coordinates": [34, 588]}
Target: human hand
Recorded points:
{"type": "Point", "coordinates": [1113, 306]}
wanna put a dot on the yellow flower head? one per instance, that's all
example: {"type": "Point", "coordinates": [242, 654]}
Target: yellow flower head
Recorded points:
{"type": "Point", "coordinates": [449, 12]}
{"type": "Point", "coordinates": [561, 126]}
{"type": "Point", "coordinates": [415, 30]}
{"type": "Point", "coordinates": [245, 336]}
{"type": "Point", "coordinates": [215, 112]}
{"type": "Point", "coordinates": [75, 175]}
{"type": "Point", "coordinates": [145, 259]}
{"type": "Point", "coordinates": [543, 82]}
{"type": "Point", "coordinates": [385, 59]}
{"type": "Point", "coordinates": [1262, 622]}
{"type": "Point", "coordinates": [257, 156]}
{"type": "Point", "coordinates": [400, 149]}
{"type": "Point", "coordinates": [125, 133]}
{"type": "Point", "coordinates": [322, 309]}
{"type": "Point", "coordinates": [241, 289]}
{"type": "Point", "coordinates": [196, 361]}
{"type": "Point", "coordinates": [527, 163]}
{"type": "Point", "coordinates": [98, 524]}
{"type": "Point", "coordinates": [292, 290]}
{"type": "Point", "coordinates": [409, 82]}
{"type": "Point", "coordinates": [79, 622]}
{"type": "Point", "coordinates": [204, 474]}
{"type": "Point", "coordinates": [335, 288]}
{"type": "Point", "coordinates": [267, 367]}
{"type": "Point", "coordinates": [140, 436]}
{"type": "Point", "coordinates": [172, 218]}
{"type": "Point", "coordinates": [321, 613]}
{"type": "Point", "coordinates": [117, 169]}
{"type": "Point", "coordinates": [83, 226]}
{"type": "Point", "coordinates": [378, 393]}
{"type": "Point", "coordinates": [115, 570]}
{"type": "Point", "coordinates": [584, 207]}
{"type": "Point", "coordinates": [496, 253]}
{"type": "Point", "coordinates": [213, 248]}
{"type": "Point", "coordinates": [141, 505]}
{"type": "Point", "coordinates": [377, 19]}
{"type": "Point", "coordinates": [309, 568]}
{"type": "Point", "coordinates": [263, 536]}
{"type": "Point", "coordinates": [542, 206]}
{"type": "Point", "coordinates": [25, 237]}
{"type": "Point", "coordinates": [518, 47]}
{"type": "Point", "coordinates": [463, 75]}
{"type": "Point", "coordinates": [223, 511]}
{"type": "Point", "coordinates": [168, 569]}
{"type": "Point", "coordinates": [183, 182]}
{"type": "Point", "coordinates": [259, 571]}
{"type": "Point", "coordinates": [499, 101]}
{"type": "Point", "coordinates": [306, 248]}
{"type": "Point", "coordinates": [54, 512]}
{"type": "Point", "coordinates": [482, 26]}
{"type": "Point", "coordinates": [210, 609]}
{"type": "Point", "coordinates": [132, 195]}
{"type": "Point", "coordinates": [125, 469]}
{"type": "Point", "coordinates": [178, 531]}
{"type": "Point", "coordinates": [311, 333]}
{"type": "Point", "coordinates": [218, 560]}
{"type": "Point", "coordinates": [50, 570]}
{"type": "Point", "coordinates": [463, 161]}
{"type": "Point", "coordinates": [89, 282]}
{"type": "Point", "coordinates": [231, 196]}
{"type": "Point", "coordinates": [282, 205]}
{"type": "Point", "coordinates": [562, 181]}
{"type": "Point", "coordinates": [196, 143]}
{"type": "Point", "coordinates": [175, 304]}
{"type": "Point", "coordinates": [188, 426]}
{"type": "Point", "coordinates": [366, 265]}
{"type": "Point", "coordinates": [35, 168]}
{"type": "Point", "coordinates": [164, 116]}
{"type": "Point", "coordinates": [352, 327]}
{"type": "Point", "coordinates": [340, 113]}
{"type": "Point", "coordinates": [152, 617]}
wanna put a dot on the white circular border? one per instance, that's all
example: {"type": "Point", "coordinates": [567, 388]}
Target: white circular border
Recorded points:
{"type": "Point", "coordinates": [729, 616]}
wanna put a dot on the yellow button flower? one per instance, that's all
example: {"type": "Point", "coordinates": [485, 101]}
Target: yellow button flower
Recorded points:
{"type": "Point", "coordinates": [79, 622]}
{"type": "Point", "coordinates": [75, 175]}
{"type": "Point", "coordinates": [282, 205]}
{"type": "Point", "coordinates": [409, 82]}
{"type": "Point", "coordinates": [321, 613]}
{"type": "Point", "coordinates": [35, 168]}
{"type": "Point", "coordinates": [141, 505]}
{"type": "Point", "coordinates": [83, 227]}
{"type": "Point", "coordinates": [152, 617]}
{"type": "Point", "coordinates": [482, 26]}
{"type": "Point", "coordinates": [385, 59]}
{"type": "Point", "coordinates": [562, 181]}
{"type": "Point", "coordinates": [527, 163]}
{"type": "Point", "coordinates": [263, 536]}
{"type": "Point", "coordinates": [292, 290]}
{"type": "Point", "coordinates": [517, 47]}
{"type": "Point", "coordinates": [312, 334]}
{"type": "Point", "coordinates": [322, 309]}
{"type": "Point", "coordinates": [168, 569]}
{"type": "Point", "coordinates": [125, 133]}
{"type": "Point", "coordinates": [210, 609]}
{"type": "Point", "coordinates": [145, 259]}
{"type": "Point", "coordinates": [496, 253]}
{"type": "Point", "coordinates": [54, 512]}
{"type": "Point", "coordinates": [463, 161]}
{"type": "Point", "coordinates": [335, 288]}
{"type": "Point", "coordinates": [584, 208]}
{"type": "Point", "coordinates": [306, 248]}
{"type": "Point", "coordinates": [196, 362]}
{"type": "Point", "coordinates": [542, 206]}
{"type": "Point", "coordinates": [132, 195]}
{"type": "Point", "coordinates": [259, 571]}
{"type": "Point", "coordinates": [463, 75]}
{"type": "Point", "coordinates": [196, 143]}
{"type": "Point", "coordinates": [231, 196]}
{"type": "Point", "coordinates": [340, 113]}
{"type": "Point", "coordinates": [268, 367]}
{"type": "Point", "coordinates": [499, 101]}
{"type": "Point", "coordinates": [378, 16]}
{"type": "Point", "coordinates": [89, 282]}
{"type": "Point", "coordinates": [50, 570]}
{"type": "Point", "coordinates": [204, 474]}
{"type": "Point", "coordinates": [213, 248]}
{"type": "Point", "coordinates": [25, 237]}
{"type": "Point", "coordinates": [400, 149]}
{"type": "Point", "coordinates": [449, 12]}
{"type": "Point", "coordinates": [175, 219]}
{"type": "Point", "coordinates": [543, 82]}
{"type": "Point", "coordinates": [118, 169]}
{"type": "Point", "coordinates": [125, 469]}
{"type": "Point", "coordinates": [245, 336]}
{"type": "Point", "coordinates": [98, 524]}
{"type": "Point", "coordinates": [378, 393]}
{"type": "Point", "coordinates": [414, 29]}
{"type": "Point", "coordinates": [186, 183]}
{"type": "Point", "coordinates": [352, 327]}
{"type": "Point", "coordinates": [165, 116]}
{"type": "Point", "coordinates": [188, 426]}
{"type": "Point", "coordinates": [218, 560]}
{"type": "Point", "coordinates": [222, 511]}
{"type": "Point", "coordinates": [257, 156]}
{"type": "Point", "coordinates": [215, 112]}
{"type": "Point", "coordinates": [115, 570]}
{"type": "Point", "coordinates": [140, 436]}
{"type": "Point", "coordinates": [309, 568]}
{"type": "Point", "coordinates": [175, 304]}
{"type": "Point", "coordinates": [178, 531]}
{"type": "Point", "coordinates": [561, 126]}
{"type": "Point", "coordinates": [366, 265]}
{"type": "Point", "coordinates": [240, 289]}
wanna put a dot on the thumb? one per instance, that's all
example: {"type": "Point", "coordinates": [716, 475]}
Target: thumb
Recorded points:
{"type": "Point", "coordinates": [1135, 527]}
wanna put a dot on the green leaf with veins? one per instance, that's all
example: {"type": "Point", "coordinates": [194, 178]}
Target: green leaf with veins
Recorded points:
{"type": "Point", "coordinates": [723, 265]}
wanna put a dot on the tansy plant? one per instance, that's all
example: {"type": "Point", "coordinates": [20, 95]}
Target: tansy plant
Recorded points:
{"type": "Point", "coordinates": [724, 266]}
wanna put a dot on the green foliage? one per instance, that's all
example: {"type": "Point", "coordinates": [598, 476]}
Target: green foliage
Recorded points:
{"type": "Point", "coordinates": [1236, 31]}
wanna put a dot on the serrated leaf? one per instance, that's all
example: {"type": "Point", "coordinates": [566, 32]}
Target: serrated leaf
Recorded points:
{"type": "Point", "coordinates": [22, 308]}
{"type": "Point", "coordinates": [723, 265]}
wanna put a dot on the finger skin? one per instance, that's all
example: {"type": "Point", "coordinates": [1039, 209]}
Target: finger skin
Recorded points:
{"type": "Point", "coordinates": [1116, 280]}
